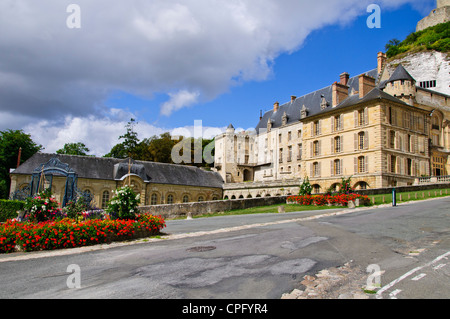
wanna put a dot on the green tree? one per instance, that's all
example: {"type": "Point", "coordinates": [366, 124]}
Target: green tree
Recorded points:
{"type": "Point", "coordinates": [128, 148]}
{"type": "Point", "coordinates": [10, 143]}
{"type": "Point", "coordinates": [73, 149]}
{"type": "Point", "coordinates": [305, 188]}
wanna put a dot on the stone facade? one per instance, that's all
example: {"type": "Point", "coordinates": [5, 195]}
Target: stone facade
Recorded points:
{"type": "Point", "coordinates": [439, 15]}
{"type": "Point", "coordinates": [157, 183]}
{"type": "Point", "coordinates": [382, 128]}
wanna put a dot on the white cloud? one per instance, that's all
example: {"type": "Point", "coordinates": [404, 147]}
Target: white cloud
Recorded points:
{"type": "Point", "coordinates": [179, 100]}
{"type": "Point", "coordinates": [54, 80]}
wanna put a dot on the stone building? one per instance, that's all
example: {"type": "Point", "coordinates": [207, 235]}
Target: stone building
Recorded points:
{"type": "Point", "coordinates": [439, 15]}
{"type": "Point", "coordinates": [382, 128]}
{"type": "Point", "coordinates": [157, 183]}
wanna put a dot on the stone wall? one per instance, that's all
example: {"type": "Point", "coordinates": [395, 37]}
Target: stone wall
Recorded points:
{"type": "Point", "coordinates": [198, 208]}
{"type": "Point", "coordinates": [402, 189]}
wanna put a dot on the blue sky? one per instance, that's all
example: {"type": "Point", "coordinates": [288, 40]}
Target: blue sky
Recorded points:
{"type": "Point", "coordinates": [167, 63]}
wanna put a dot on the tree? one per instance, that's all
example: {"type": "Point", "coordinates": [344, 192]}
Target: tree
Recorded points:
{"type": "Point", "coordinates": [10, 143]}
{"type": "Point", "coordinates": [73, 149]}
{"type": "Point", "coordinates": [128, 148]}
{"type": "Point", "coordinates": [305, 188]}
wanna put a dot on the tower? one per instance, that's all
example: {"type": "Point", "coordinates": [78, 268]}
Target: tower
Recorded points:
{"type": "Point", "coordinates": [439, 15]}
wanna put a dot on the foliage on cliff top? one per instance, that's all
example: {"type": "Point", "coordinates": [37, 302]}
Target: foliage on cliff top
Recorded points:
{"type": "Point", "coordinates": [433, 38]}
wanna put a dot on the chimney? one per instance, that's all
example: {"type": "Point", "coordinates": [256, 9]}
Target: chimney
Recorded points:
{"type": "Point", "coordinates": [276, 106]}
{"type": "Point", "coordinates": [366, 84]}
{"type": "Point", "coordinates": [293, 98]}
{"type": "Point", "coordinates": [344, 78]}
{"type": "Point", "coordinates": [340, 93]}
{"type": "Point", "coordinates": [382, 58]}
{"type": "Point", "coordinates": [260, 115]}
{"type": "Point", "coordinates": [18, 157]}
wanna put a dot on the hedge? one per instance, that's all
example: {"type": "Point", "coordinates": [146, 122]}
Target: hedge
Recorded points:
{"type": "Point", "coordinates": [9, 208]}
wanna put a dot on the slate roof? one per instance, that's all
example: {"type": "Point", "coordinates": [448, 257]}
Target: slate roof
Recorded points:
{"type": "Point", "coordinates": [400, 73]}
{"type": "Point", "coordinates": [115, 169]}
{"type": "Point", "coordinates": [311, 101]}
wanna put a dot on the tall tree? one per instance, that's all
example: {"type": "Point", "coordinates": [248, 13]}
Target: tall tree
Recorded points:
{"type": "Point", "coordinates": [10, 143]}
{"type": "Point", "coordinates": [128, 147]}
{"type": "Point", "coordinates": [73, 149]}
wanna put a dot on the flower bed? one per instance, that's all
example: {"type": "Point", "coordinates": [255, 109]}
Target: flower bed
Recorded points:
{"type": "Point", "coordinates": [333, 200]}
{"type": "Point", "coordinates": [67, 233]}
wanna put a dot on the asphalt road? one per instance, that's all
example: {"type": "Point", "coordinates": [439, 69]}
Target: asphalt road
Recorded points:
{"type": "Point", "coordinates": [249, 257]}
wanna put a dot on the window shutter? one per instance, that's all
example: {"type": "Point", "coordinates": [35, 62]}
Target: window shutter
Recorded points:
{"type": "Point", "coordinates": [311, 149]}
{"type": "Point", "coordinates": [341, 167]}
{"type": "Point", "coordinates": [311, 166]}
{"type": "Point", "coordinates": [333, 149]}
{"type": "Point", "coordinates": [342, 122]}
{"type": "Point", "coordinates": [320, 127]}
{"type": "Point", "coordinates": [332, 168]}
{"type": "Point", "coordinates": [312, 129]}
{"type": "Point", "coordinates": [366, 116]}
{"type": "Point", "coordinates": [319, 169]}
{"type": "Point", "coordinates": [389, 162]}
{"type": "Point", "coordinates": [342, 144]}
{"type": "Point", "coordinates": [355, 113]}
{"type": "Point", "coordinates": [399, 166]}
{"type": "Point", "coordinates": [366, 164]}
{"type": "Point", "coordinates": [356, 165]}
{"type": "Point", "coordinates": [356, 141]}
{"type": "Point", "coordinates": [366, 140]}
{"type": "Point", "coordinates": [320, 148]}
{"type": "Point", "coordinates": [332, 124]}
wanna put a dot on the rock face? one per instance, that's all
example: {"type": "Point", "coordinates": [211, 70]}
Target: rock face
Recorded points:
{"type": "Point", "coordinates": [424, 66]}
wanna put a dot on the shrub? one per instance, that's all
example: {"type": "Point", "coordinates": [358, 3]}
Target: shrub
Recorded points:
{"type": "Point", "coordinates": [305, 188]}
{"type": "Point", "coordinates": [124, 204]}
{"type": "Point", "coordinates": [9, 208]}
{"type": "Point", "coordinates": [42, 207]}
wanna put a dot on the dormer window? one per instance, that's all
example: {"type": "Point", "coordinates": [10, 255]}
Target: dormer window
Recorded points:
{"type": "Point", "coordinates": [323, 104]}
{"type": "Point", "coordinates": [304, 112]}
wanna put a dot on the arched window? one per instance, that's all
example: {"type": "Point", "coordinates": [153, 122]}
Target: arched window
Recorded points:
{"type": "Point", "coordinates": [154, 199]}
{"type": "Point", "coordinates": [105, 199]}
{"type": "Point", "coordinates": [185, 199]}
{"type": "Point", "coordinates": [201, 199]}
{"type": "Point", "coordinates": [170, 199]}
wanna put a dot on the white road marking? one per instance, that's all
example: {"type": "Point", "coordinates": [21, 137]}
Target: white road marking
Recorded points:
{"type": "Point", "coordinates": [439, 266]}
{"type": "Point", "coordinates": [379, 294]}
{"type": "Point", "coordinates": [419, 277]}
{"type": "Point", "coordinates": [394, 294]}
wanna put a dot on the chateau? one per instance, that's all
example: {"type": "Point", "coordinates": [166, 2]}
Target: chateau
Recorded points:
{"type": "Point", "coordinates": [387, 127]}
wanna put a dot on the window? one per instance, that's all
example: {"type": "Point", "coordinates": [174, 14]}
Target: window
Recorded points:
{"type": "Point", "coordinates": [361, 121]}
{"type": "Point", "coordinates": [361, 164]}
{"type": "Point", "coordinates": [338, 123]}
{"type": "Point", "coordinates": [316, 128]}
{"type": "Point", "coordinates": [280, 159]}
{"type": "Point", "coordinates": [337, 144]}
{"type": "Point", "coordinates": [408, 144]}
{"type": "Point", "coordinates": [337, 167]}
{"type": "Point", "coordinates": [392, 139]}
{"type": "Point", "coordinates": [185, 199]}
{"type": "Point", "coordinates": [289, 136]}
{"type": "Point", "coordinates": [279, 138]}
{"type": "Point", "coordinates": [105, 199]}
{"type": "Point", "coordinates": [300, 152]}
{"type": "Point", "coordinates": [201, 199]}
{"type": "Point", "coordinates": [428, 84]}
{"type": "Point", "coordinates": [409, 167]}
{"type": "Point", "coordinates": [316, 148]}
{"type": "Point", "coordinates": [154, 199]}
{"type": "Point", "coordinates": [315, 169]}
{"type": "Point", "coordinates": [361, 140]}
{"type": "Point", "coordinates": [289, 159]}
{"type": "Point", "coordinates": [170, 199]}
{"type": "Point", "coordinates": [393, 164]}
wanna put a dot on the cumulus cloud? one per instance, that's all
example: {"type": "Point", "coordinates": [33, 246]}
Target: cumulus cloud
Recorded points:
{"type": "Point", "coordinates": [190, 50]}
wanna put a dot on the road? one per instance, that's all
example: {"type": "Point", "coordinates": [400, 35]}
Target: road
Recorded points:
{"type": "Point", "coordinates": [252, 257]}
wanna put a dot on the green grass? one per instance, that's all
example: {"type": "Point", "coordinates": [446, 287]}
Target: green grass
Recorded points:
{"type": "Point", "coordinates": [409, 196]}
{"type": "Point", "coordinates": [267, 210]}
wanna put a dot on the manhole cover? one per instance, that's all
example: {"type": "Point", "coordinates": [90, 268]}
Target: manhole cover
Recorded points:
{"type": "Point", "coordinates": [200, 249]}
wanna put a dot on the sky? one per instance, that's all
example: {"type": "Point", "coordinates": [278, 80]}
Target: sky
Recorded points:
{"type": "Point", "coordinates": [79, 70]}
